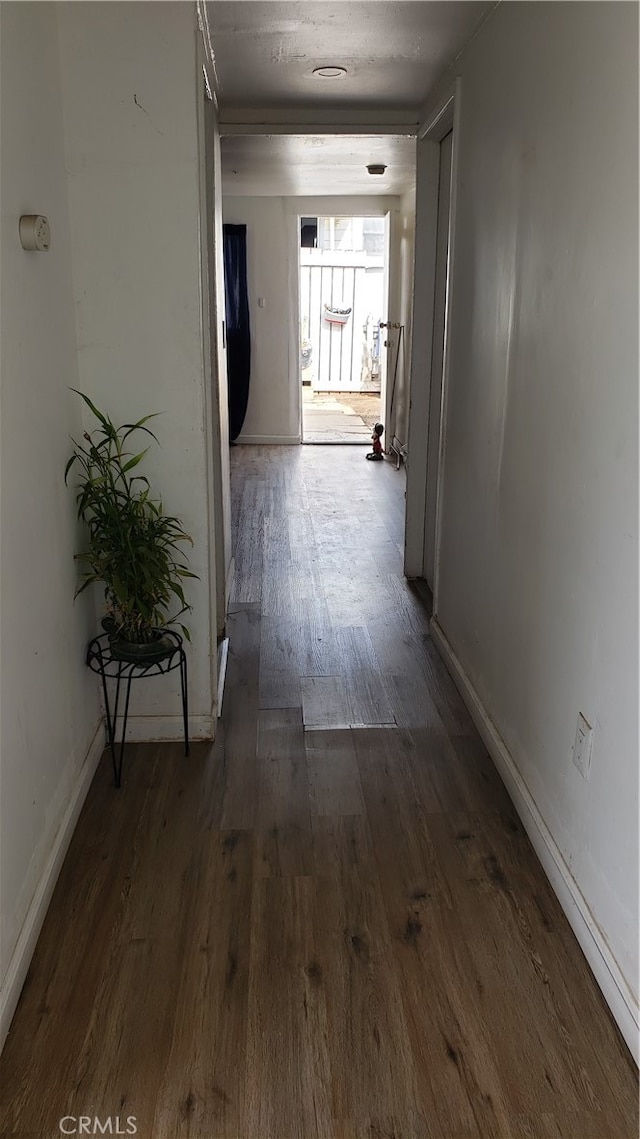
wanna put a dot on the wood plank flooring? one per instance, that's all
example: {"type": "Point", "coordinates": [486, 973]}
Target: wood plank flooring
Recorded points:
{"type": "Point", "coordinates": [313, 930]}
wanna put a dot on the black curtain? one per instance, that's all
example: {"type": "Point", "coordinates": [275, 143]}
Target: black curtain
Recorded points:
{"type": "Point", "coordinates": [237, 317]}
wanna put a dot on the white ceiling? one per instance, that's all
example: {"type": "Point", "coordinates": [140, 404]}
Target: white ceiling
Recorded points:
{"type": "Point", "coordinates": [394, 51]}
{"type": "Point", "coordinates": [315, 164]}
{"type": "Point", "coordinates": [265, 51]}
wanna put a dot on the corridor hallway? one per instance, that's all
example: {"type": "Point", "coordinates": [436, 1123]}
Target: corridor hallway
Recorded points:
{"type": "Point", "coordinates": [324, 933]}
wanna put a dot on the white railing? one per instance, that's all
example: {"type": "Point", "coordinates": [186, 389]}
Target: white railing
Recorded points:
{"type": "Point", "coordinates": [344, 353]}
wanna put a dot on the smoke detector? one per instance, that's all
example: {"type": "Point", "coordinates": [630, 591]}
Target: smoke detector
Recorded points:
{"type": "Point", "coordinates": [330, 71]}
{"type": "Point", "coordinates": [376, 168]}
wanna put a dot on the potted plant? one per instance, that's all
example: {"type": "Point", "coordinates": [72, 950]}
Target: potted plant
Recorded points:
{"type": "Point", "coordinates": [134, 549]}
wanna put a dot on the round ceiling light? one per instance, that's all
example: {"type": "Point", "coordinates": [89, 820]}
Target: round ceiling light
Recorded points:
{"type": "Point", "coordinates": [330, 71]}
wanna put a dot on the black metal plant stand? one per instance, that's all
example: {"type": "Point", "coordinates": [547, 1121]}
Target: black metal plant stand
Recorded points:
{"type": "Point", "coordinates": [101, 660]}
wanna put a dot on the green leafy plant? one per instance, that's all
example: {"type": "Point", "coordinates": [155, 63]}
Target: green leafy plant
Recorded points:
{"type": "Point", "coordinates": [134, 549]}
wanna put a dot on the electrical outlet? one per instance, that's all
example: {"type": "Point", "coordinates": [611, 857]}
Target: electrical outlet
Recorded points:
{"type": "Point", "coordinates": [583, 746]}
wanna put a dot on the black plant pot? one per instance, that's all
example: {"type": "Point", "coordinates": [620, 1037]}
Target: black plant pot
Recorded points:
{"type": "Point", "coordinates": [141, 652]}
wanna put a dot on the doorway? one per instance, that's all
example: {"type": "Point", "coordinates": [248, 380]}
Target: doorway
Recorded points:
{"type": "Point", "coordinates": [342, 308]}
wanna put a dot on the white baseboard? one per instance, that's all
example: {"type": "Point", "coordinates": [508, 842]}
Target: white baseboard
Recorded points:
{"type": "Point", "coordinates": [26, 943]}
{"type": "Point", "coordinates": [156, 729]}
{"type": "Point", "coordinates": [223, 657]}
{"type": "Point", "coordinates": [621, 1000]}
{"type": "Point", "coordinates": [289, 440]}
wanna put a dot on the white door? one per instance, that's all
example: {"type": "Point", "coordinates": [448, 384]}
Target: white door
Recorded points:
{"type": "Point", "coordinates": [437, 357]}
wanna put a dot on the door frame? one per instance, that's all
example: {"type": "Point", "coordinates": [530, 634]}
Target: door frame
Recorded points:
{"type": "Point", "coordinates": [444, 117]}
{"type": "Point", "coordinates": [213, 343]}
{"type": "Point", "coordinates": [437, 359]}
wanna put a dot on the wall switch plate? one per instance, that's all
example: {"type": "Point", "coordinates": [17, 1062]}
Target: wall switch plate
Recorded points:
{"type": "Point", "coordinates": [583, 746]}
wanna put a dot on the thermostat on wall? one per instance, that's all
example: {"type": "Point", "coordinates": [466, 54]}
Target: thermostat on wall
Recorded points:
{"type": "Point", "coordinates": [34, 233]}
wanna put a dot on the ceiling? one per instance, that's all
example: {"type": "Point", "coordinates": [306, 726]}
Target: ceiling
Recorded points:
{"type": "Point", "coordinates": [265, 51]}
{"type": "Point", "coordinates": [394, 51]}
{"type": "Point", "coordinates": [316, 164]}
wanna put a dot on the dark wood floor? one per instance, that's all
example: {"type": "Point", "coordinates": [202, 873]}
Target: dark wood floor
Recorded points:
{"type": "Point", "coordinates": [330, 923]}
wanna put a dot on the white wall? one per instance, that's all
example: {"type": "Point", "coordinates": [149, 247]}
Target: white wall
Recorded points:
{"type": "Point", "coordinates": [401, 312]}
{"type": "Point", "coordinates": [131, 123]}
{"type": "Point", "coordinates": [51, 725]}
{"type": "Point", "coordinates": [273, 413]}
{"type": "Point", "coordinates": [537, 592]}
